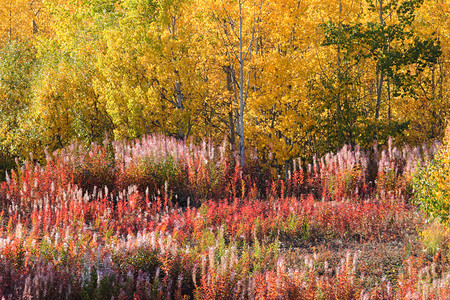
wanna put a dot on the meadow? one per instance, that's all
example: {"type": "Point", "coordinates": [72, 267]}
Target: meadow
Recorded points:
{"type": "Point", "coordinates": [158, 218]}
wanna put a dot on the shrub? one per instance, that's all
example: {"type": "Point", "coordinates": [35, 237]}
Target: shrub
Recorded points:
{"type": "Point", "coordinates": [435, 238]}
{"type": "Point", "coordinates": [431, 184]}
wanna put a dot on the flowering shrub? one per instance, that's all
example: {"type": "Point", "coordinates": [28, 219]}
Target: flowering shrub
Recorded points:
{"type": "Point", "coordinates": [158, 163]}
{"type": "Point", "coordinates": [359, 175]}
{"type": "Point", "coordinates": [86, 244]}
{"type": "Point", "coordinates": [92, 224]}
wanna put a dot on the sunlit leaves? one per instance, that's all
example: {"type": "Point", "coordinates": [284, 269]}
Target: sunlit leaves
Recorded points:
{"type": "Point", "coordinates": [150, 78]}
{"type": "Point", "coordinates": [17, 68]}
{"type": "Point", "coordinates": [315, 74]}
{"type": "Point", "coordinates": [432, 184]}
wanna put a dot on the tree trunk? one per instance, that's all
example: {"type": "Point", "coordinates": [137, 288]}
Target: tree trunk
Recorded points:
{"type": "Point", "coordinates": [379, 91]}
{"type": "Point", "coordinates": [338, 71]}
{"type": "Point", "coordinates": [380, 82]}
{"type": "Point", "coordinates": [232, 132]}
{"type": "Point", "coordinates": [241, 91]}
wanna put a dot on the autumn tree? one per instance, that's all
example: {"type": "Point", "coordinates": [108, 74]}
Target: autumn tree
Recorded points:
{"type": "Point", "coordinates": [22, 23]}
{"type": "Point", "coordinates": [428, 111]}
{"type": "Point", "coordinates": [237, 26]}
{"type": "Point", "coordinates": [384, 40]}
{"type": "Point", "coordinates": [286, 78]}
{"type": "Point", "coordinates": [273, 64]}
{"type": "Point", "coordinates": [152, 80]}
{"type": "Point", "coordinates": [17, 65]}
{"type": "Point", "coordinates": [65, 106]}
{"type": "Point", "coordinates": [23, 19]}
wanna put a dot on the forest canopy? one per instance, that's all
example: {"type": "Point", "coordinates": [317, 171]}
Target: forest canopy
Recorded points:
{"type": "Point", "coordinates": [288, 78]}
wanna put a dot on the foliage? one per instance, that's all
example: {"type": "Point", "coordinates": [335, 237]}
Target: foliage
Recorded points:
{"type": "Point", "coordinates": [317, 78]}
{"type": "Point", "coordinates": [61, 235]}
{"type": "Point", "coordinates": [16, 80]}
{"type": "Point", "coordinates": [435, 238]}
{"type": "Point", "coordinates": [432, 184]}
{"type": "Point", "coordinates": [160, 211]}
{"type": "Point", "coordinates": [385, 41]}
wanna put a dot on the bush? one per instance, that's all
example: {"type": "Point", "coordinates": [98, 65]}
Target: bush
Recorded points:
{"type": "Point", "coordinates": [431, 184]}
{"type": "Point", "coordinates": [435, 237]}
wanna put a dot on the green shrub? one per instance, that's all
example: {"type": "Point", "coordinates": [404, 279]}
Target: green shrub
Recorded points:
{"type": "Point", "coordinates": [431, 184]}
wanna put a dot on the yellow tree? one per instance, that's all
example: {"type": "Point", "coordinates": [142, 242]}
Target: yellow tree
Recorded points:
{"type": "Point", "coordinates": [278, 108]}
{"type": "Point", "coordinates": [428, 111]}
{"type": "Point", "coordinates": [17, 65]}
{"type": "Point", "coordinates": [22, 19]}
{"type": "Point", "coordinates": [64, 105]}
{"type": "Point", "coordinates": [22, 23]}
{"type": "Point", "coordinates": [152, 80]}
{"type": "Point", "coordinates": [235, 32]}
{"type": "Point", "coordinates": [258, 81]}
